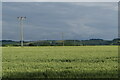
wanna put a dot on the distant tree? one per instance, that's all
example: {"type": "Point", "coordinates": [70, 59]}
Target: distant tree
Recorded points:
{"type": "Point", "coordinates": [116, 41]}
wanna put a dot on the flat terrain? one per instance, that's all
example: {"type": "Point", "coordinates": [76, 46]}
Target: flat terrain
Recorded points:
{"type": "Point", "coordinates": [60, 62]}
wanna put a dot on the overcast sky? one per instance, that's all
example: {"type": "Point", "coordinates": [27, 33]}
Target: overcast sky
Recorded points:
{"type": "Point", "coordinates": [60, 0]}
{"type": "Point", "coordinates": [47, 20]}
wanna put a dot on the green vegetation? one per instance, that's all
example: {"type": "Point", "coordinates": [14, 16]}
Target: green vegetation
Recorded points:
{"type": "Point", "coordinates": [60, 42]}
{"type": "Point", "coordinates": [60, 62]}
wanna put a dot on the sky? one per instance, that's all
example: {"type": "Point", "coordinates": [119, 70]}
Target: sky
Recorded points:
{"type": "Point", "coordinates": [48, 20]}
{"type": "Point", "coordinates": [60, 0]}
{"type": "Point", "coordinates": [0, 20]}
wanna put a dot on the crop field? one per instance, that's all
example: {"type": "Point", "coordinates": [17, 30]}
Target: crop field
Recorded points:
{"type": "Point", "coordinates": [60, 62]}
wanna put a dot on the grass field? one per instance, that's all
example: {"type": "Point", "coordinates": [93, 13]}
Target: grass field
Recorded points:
{"type": "Point", "coordinates": [60, 62]}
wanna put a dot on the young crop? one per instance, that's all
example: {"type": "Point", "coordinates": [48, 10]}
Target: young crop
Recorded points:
{"type": "Point", "coordinates": [60, 62]}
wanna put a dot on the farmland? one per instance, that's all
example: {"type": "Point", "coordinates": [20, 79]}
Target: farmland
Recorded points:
{"type": "Point", "coordinates": [60, 62]}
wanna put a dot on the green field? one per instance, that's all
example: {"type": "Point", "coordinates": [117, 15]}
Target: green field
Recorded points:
{"type": "Point", "coordinates": [60, 62]}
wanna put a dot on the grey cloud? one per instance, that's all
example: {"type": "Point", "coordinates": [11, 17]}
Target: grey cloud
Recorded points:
{"type": "Point", "coordinates": [48, 20]}
{"type": "Point", "coordinates": [61, 0]}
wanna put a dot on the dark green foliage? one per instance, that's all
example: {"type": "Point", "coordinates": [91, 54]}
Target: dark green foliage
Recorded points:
{"type": "Point", "coordinates": [60, 42]}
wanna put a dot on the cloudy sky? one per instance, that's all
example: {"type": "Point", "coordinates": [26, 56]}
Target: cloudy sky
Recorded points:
{"type": "Point", "coordinates": [60, 0]}
{"type": "Point", "coordinates": [47, 20]}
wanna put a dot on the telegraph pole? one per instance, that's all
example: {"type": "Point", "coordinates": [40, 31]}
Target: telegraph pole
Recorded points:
{"type": "Point", "coordinates": [21, 29]}
{"type": "Point", "coordinates": [74, 42]}
{"type": "Point", "coordinates": [63, 38]}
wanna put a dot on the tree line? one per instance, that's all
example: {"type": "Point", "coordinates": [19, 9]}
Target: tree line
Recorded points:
{"type": "Point", "coordinates": [115, 41]}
